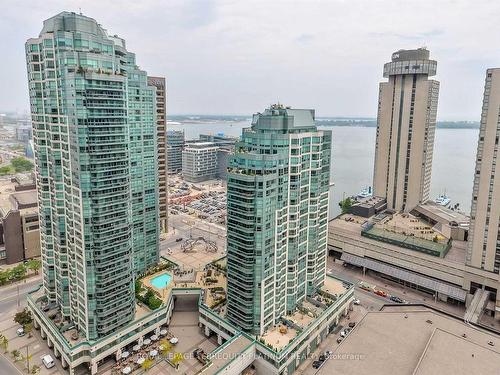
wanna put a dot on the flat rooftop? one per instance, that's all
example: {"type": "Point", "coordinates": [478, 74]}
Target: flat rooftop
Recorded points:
{"type": "Point", "coordinates": [200, 145]}
{"type": "Point", "coordinates": [351, 225]}
{"type": "Point", "coordinates": [9, 196]}
{"type": "Point", "coordinates": [407, 240]}
{"type": "Point", "coordinates": [26, 198]}
{"type": "Point", "coordinates": [226, 354]}
{"type": "Point", "coordinates": [415, 340]}
{"type": "Point", "coordinates": [6, 189]}
{"type": "Point", "coordinates": [409, 225]}
{"type": "Point", "coordinates": [443, 214]}
{"type": "Point", "coordinates": [369, 202]}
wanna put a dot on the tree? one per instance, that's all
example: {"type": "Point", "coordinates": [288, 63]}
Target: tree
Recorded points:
{"type": "Point", "coordinates": [21, 164]}
{"type": "Point", "coordinates": [28, 328]}
{"type": "Point", "coordinates": [345, 205]}
{"type": "Point", "coordinates": [177, 358]}
{"type": "Point", "coordinates": [34, 265]}
{"type": "Point", "coordinates": [16, 354]}
{"type": "Point", "coordinates": [166, 347]}
{"type": "Point", "coordinates": [154, 302]}
{"type": "Point", "coordinates": [35, 369]}
{"type": "Point", "coordinates": [148, 295]}
{"type": "Point", "coordinates": [147, 364]}
{"type": "Point", "coordinates": [23, 317]}
{"type": "Point", "coordinates": [18, 272]}
{"type": "Point", "coordinates": [4, 277]}
{"type": "Point", "coordinates": [5, 170]}
{"type": "Point", "coordinates": [138, 287]}
{"type": "Point", "coordinates": [28, 358]}
{"type": "Point", "coordinates": [4, 343]}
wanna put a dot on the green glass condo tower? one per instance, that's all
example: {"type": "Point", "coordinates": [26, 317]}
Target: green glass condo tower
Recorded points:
{"type": "Point", "coordinates": [277, 203]}
{"type": "Point", "coordinates": [94, 130]}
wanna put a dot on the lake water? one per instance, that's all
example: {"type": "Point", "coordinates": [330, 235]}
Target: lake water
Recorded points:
{"type": "Point", "coordinates": [353, 153]}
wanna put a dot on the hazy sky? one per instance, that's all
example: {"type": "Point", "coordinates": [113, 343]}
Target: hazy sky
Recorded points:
{"type": "Point", "coordinates": [236, 57]}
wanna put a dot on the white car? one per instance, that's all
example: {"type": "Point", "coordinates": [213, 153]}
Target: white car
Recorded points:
{"type": "Point", "coordinates": [20, 332]}
{"type": "Point", "coordinates": [48, 361]}
{"type": "Point", "coordinates": [343, 334]}
{"type": "Point", "coordinates": [357, 302]}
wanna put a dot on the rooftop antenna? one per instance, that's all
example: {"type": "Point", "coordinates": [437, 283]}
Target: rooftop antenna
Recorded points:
{"type": "Point", "coordinates": [80, 10]}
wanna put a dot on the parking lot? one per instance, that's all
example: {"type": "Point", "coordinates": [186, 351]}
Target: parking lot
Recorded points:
{"type": "Point", "coordinates": [206, 201]}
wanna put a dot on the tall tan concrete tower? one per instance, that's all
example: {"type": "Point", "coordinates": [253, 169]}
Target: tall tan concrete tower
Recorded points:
{"type": "Point", "coordinates": [161, 133]}
{"type": "Point", "coordinates": [483, 250]}
{"type": "Point", "coordinates": [406, 125]}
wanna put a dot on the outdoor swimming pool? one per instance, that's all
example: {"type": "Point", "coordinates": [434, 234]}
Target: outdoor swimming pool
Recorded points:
{"type": "Point", "coordinates": [161, 281]}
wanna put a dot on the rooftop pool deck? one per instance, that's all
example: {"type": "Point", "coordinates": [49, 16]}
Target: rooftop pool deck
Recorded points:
{"type": "Point", "coordinates": [161, 281]}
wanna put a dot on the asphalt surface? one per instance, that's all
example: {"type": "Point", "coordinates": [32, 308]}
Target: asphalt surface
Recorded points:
{"type": "Point", "coordinates": [10, 302]}
{"type": "Point", "coordinates": [6, 368]}
{"type": "Point", "coordinates": [186, 226]}
{"type": "Point", "coordinates": [9, 294]}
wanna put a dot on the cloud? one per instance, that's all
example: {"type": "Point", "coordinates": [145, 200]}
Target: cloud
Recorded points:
{"type": "Point", "coordinates": [305, 38]}
{"type": "Point", "coordinates": [237, 56]}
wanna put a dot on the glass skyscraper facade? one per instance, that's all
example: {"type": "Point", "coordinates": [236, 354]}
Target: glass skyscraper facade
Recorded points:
{"type": "Point", "coordinates": [94, 130]}
{"type": "Point", "coordinates": [277, 203]}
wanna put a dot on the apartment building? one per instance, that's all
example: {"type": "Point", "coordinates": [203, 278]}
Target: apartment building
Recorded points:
{"type": "Point", "coordinates": [406, 124]}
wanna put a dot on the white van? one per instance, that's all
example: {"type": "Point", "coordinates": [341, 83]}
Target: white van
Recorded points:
{"type": "Point", "coordinates": [47, 361]}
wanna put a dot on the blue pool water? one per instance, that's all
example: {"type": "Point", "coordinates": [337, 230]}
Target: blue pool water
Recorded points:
{"type": "Point", "coordinates": [161, 281]}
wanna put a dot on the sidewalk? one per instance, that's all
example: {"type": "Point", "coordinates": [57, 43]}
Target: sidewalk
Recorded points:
{"type": "Point", "coordinates": [330, 343]}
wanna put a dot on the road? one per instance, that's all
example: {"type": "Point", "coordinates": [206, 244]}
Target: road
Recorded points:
{"type": "Point", "coordinates": [355, 275]}
{"type": "Point", "coordinates": [185, 226]}
{"type": "Point", "coordinates": [10, 302]}
{"type": "Point", "coordinates": [6, 367]}
{"type": "Point", "coordinates": [9, 297]}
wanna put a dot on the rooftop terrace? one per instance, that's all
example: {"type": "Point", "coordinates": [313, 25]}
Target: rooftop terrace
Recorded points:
{"type": "Point", "coordinates": [406, 230]}
{"type": "Point", "coordinates": [352, 225]}
{"type": "Point", "coordinates": [291, 325]}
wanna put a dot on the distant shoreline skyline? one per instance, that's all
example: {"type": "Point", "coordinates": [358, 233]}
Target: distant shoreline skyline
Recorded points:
{"type": "Point", "coordinates": [210, 119]}
{"type": "Point", "coordinates": [321, 121]}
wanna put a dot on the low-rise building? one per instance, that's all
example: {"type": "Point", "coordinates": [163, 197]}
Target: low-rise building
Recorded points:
{"type": "Point", "coordinates": [19, 227]}
{"type": "Point", "coordinates": [368, 207]}
{"type": "Point", "coordinates": [424, 249]}
{"type": "Point", "coordinates": [199, 161]}
{"type": "Point", "coordinates": [24, 133]}
{"type": "Point", "coordinates": [219, 139]}
{"type": "Point", "coordinates": [225, 149]}
{"type": "Point", "coordinates": [415, 340]}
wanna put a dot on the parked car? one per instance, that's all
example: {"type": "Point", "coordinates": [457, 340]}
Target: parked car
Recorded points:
{"type": "Point", "coordinates": [397, 299]}
{"type": "Point", "coordinates": [317, 364]}
{"type": "Point", "coordinates": [20, 332]}
{"type": "Point", "coordinates": [344, 333]}
{"type": "Point", "coordinates": [339, 340]}
{"type": "Point", "coordinates": [357, 302]}
{"type": "Point", "coordinates": [47, 361]}
{"type": "Point", "coordinates": [178, 240]}
{"type": "Point", "coordinates": [381, 293]}
{"type": "Point", "coordinates": [322, 357]}
{"type": "Point", "coordinates": [366, 286]}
